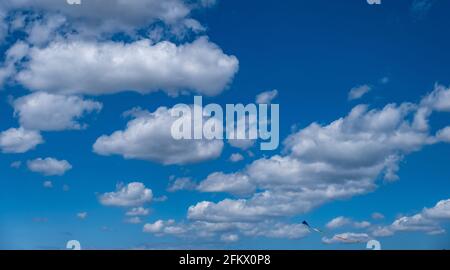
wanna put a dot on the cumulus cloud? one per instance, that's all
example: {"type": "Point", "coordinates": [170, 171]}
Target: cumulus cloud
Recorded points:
{"type": "Point", "coordinates": [48, 112]}
{"type": "Point", "coordinates": [266, 97]}
{"type": "Point", "coordinates": [322, 163]}
{"type": "Point", "coordinates": [19, 140]}
{"type": "Point", "coordinates": [183, 183]}
{"type": "Point", "coordinates": [341, 221]}
{"type": "Point", "coordinates": [443, 134]}
{"type": "Point", "coordinates": [236, 157]}
{"type": "Point", "coordinates": [88, 67]}
{"type": "Point", "coordinates": [107, 17]}
{"type": "Point", "coordinates": [428, 221]}
{"type": "Point", "coordinates": [82, 215]}
{"type": "Point", "coordinates": [231, 183]}
{"type": "Point", "coordinates": [132, 195]}
{"type": "Point", "coordinates": [133, 220]}
{"type": "Point", "coordinates": [138, 211]}
{"type": "Point", "coordinates": [226, 230]}
{"type": "Point", "coordinates": [229, 238]}
{"type": "Point", "coordinates": [358, 92]}
{"type": "Point", "coordinates": [347, 238]}
{"type": "Point", "coordinates": [49, 166]}
{"type": "Point", "coordinates": [377, 216]}
{"type": "Point", "coordinates": [48, 184]}
{"type": "Point", "coordinates": [12, 57]}
{"type": "Point", "coordinates": [149, 137]}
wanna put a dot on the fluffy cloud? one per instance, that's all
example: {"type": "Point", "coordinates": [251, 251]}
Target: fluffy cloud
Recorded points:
{"type": "Point", "coordinates": [183, 183]}
{"type": "Point", "coordinates": [100, 17]}
{"type": "Point", "coordinates": [428, 221]}
{"type": "Point", "coordinates": [341, 221]}
{"type": "Point", "coordinates": [133, 220]}
{"type": "Point", "coordinates": [49, 166]}
{"type": "Point", "coordinates": [236, 157]}
{"type": "Point", "coordinates": [443, 134]}
{"type": "Point", "coordinates": [358, 92]}
{"type": "Point", "coordinates": [266, 97]}
{"type": "Point", "coordinates": [229, 238]}
{"type": "Point", "coordinates": [323, 163]}
{"type": "Point", "coordinates": [131, 195]}
{"type": "Point", "coordinates": [377, 216]}
{"type": "Point", "coordinates": [87, 67]}
{"type": "Point", "coordinates": [347, 238]}
{"type": "Point", "coordinates": [12, 56]}
{"type": "Point", "coordinates": [138, 211]}
{"type": "Point", "coordinates": [82, 215]}
{"type": "Point", "coordinates": [224, 230]}
{"type": "Point", "coordinates": [19, 140]}
{"type": "Point", "coordinates": [48, 184]}
{"type": "Point", "coordinates": [231, 183]}
{"type": "Point", "coordinates": [48, 112]}
{"type": "Point", "coordinates": [148, 137]}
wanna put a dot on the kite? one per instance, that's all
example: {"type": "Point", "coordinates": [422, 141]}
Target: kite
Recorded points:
{"type": "Point", "coordinates": [311, 228]}
{"type": "Point", "coordinates": [322, 233]}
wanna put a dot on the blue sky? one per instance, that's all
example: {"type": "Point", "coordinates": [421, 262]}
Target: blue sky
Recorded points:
{"type": "Point", "coordinates": [61, 93]}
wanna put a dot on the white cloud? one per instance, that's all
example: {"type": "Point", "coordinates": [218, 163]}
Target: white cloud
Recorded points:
{"type": "Point", "coordinates": [148, 137]}
{"type": "Point", "coordinates": [48, 112]}
{"type": "Point", "coordinates": [106, 17]}
{"type": "Point", "coordinates": [19, 140]}
{"type": "Point", "coordinates": [48, 184]}
{"type": "Point", "coordinates": [266, 97]}
{"type": "Point", "coordinates": [87, 67]}
{"type": "Point", "coordinates": [347, 238]}
{"type": "Point", "coordinates": [236, 157]}
{"type": "Point", "coordinates": [82, 215]}
{"type": "Point", "coordinates": [338, 222]}
{"type": "Point", "coordinates": [43, 31]}
{"type": "Point", "coordinates": [358, 92]}
{"type": "Point", "coordinates": [341, 221]}
{"type": "Point", "coordinates": [226, 230]}
{"type": "Point", "coordinates": [377, 216]}
{"type": "Point", "coordinates": [133, 220]}
{"type": "Point", "coordinates": [438, 99]}
{"type": "Point", "coordinates": [231, 183]}
{"type": "Point", "coordinates": [428, 221]}
{"type": "Point", "coordinates": [12, 56]}
{"type": "Point", "coordinates": [443, 135]}
{"type": "Point", "coordinates": [229, 238]}
{"type": "Point", "coordinates": [183, 183]}
{"type": "Point", "coordinates": [320, 164]}
{"type": "Point", "coordinates": [155, 227]}
{"type": "Point", "coordinates": [49, 166]}
{"type": "Point", "coordinates": [138, 211]}
{"type": "Point", "coordinates": [16, 164]}
{"type": "Point", "coordinates": [131, 195]}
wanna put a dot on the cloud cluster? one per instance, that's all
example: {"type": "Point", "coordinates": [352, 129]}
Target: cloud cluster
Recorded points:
{"type": "Point", "coordinates": [95, 68]}
{"type": "Point", "coordinates": [266, 97]}
{"type": "Point", "coordinates": [428, 221]}
{"type": "Point", "coordinates": [49, 166]}
{"type": "Point", "coordinates": [148, 137]}
{"type": "Point", "coordinates": [323, 163]}
{"type": "Point", "coordinates": [19, 140]}
{"type": "Point", "coordinates": [134, 194]}
{"type": "Point", "coordinates": [226, 231]}
{"type": "Point", "coordinates": [341, 221]}
{"type": "Point", "coordinates": [347, 238]}
{"type": "Point", "coordinates": [108, 17]}
{"type": "Point", "coordinates": [48, 112]}
{"type": "Point", "coordinates": [358, 92]}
